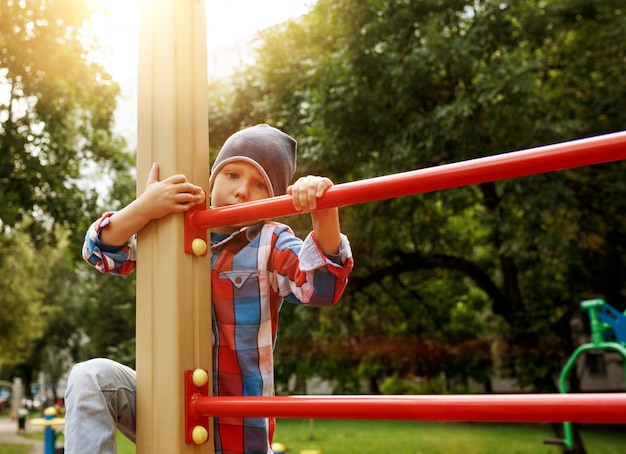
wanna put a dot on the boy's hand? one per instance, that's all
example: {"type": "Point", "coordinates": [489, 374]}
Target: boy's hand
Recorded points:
{"type": "Point", "coordinates": [172, 195]}
{"type": "Point", "coordinates": [306, 190]}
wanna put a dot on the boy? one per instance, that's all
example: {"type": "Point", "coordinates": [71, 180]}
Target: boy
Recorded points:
{"type": "Point", "coordinates": [254, 268]}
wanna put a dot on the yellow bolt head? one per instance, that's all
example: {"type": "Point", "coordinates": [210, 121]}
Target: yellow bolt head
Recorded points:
{"type": "Point", "coordinates": [278, 447]}
{"type": "Point", "coordinates": [198, 246]}
{"type": "Point", "coordinates": [203, 194]}
{"type": "Point", "coordinates": [200, 377]}
{"type": "Point", "coordinates": [199, 435]}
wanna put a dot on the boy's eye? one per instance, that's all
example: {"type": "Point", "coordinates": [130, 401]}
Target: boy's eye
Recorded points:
{"type": "Point", "coordinates": [231, 175]}
{"type": "Point", "coordinates": [260, 185]}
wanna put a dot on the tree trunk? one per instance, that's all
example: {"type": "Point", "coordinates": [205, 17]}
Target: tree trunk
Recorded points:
{"type": "Point", "coordinates": [513, 297]}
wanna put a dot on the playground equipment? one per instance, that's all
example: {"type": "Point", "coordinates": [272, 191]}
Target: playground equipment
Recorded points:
{"type": "Point", "coordinates": [608, 332]}
{"type": "Point", "coordinates": [173, 296]}
{"type": "Point", "coordinates": [566, 155]}
{"type": "Point", "coordinates": [607, 408]}
{"type": "Point", "coordinates": [49, 422]}
{"type": "Point", "coordinates": [595, 408]}
{"type": "Point", "coordinates": [278, 448]}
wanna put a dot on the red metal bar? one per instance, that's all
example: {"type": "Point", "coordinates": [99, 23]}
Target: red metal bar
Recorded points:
{"type": "Point", "coordinates": [577, 153]}
{"type": "Point", "coordinates": [193, 419]}
{"type": "Point", "coordinates": [191, 231]}
{"type": "Point", "coordinates": [606, 408]}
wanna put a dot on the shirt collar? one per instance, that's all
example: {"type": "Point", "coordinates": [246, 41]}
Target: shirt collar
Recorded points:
{"type": "Point", "coordinates": [250, 231]}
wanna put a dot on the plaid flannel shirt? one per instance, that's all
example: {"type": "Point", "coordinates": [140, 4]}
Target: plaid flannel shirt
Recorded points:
{"type": "Point", "coordinates": [252, 272]}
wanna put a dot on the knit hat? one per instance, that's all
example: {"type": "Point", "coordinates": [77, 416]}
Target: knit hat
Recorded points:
{"type": "Point", "coordinates": [268, 149]}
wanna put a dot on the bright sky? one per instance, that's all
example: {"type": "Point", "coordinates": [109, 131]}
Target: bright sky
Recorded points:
{"type": "Point", "coordinates": [228, 21]}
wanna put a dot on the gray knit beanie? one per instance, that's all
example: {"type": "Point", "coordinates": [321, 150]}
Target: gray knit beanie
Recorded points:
{"type": "Point", "coordinates": [268, 149]}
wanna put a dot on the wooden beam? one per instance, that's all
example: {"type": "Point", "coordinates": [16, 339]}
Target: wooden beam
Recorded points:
{"type": "Point", "coordinates": [173, 288]}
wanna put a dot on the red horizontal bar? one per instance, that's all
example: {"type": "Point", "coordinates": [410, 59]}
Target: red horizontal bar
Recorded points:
{"type": "Point", "coordinates": [567, 155]}
{"type": "Point", "coordinates": [606, 408]}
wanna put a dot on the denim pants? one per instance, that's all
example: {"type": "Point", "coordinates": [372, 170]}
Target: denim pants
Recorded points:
{"type": "Point", "coordinates": [100, 398]}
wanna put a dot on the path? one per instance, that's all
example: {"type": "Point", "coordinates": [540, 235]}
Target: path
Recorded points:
{"type": "Point", "coordinates": [9, 436]}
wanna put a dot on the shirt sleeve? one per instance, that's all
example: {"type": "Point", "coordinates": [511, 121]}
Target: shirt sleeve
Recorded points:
{"type": "Point", "coordinates": [304, 274]}
{"type": "Point", "coordinates": [119, 260]}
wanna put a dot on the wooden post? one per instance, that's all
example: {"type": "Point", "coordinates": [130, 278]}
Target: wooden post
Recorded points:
{"type": "Point", "coordinates": [173, 288]}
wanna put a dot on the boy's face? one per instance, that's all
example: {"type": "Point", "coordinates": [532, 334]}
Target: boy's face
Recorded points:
{"type": "Point", "coordinates": [237, 182]}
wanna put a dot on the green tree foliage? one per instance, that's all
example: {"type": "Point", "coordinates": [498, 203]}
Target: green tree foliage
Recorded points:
{"type": "Point", "coordinates": [21, 322]}
{"type": "Point", "coordinates": [461, 281]}
{"type": "Point", "coordinates": [107, 312]}
{"type": "Point", "coordinates": [56, 133]}
{"type": "Point", "coordinates": [56, 113]}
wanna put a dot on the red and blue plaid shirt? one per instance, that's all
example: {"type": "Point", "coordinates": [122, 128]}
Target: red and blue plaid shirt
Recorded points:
{"type": "Point", "coordinates": [252, 272]}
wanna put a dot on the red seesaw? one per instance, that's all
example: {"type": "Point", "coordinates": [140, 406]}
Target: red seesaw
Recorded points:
{"type": "Point", "coordinates": [549, 158]}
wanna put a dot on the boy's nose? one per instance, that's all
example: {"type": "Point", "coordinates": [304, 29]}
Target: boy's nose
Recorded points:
{"type": "Point", "coordinates": [242, 191]}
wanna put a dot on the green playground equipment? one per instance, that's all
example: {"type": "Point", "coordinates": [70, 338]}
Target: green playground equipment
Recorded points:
{"type": "Point", "coordinates": [608, 332]}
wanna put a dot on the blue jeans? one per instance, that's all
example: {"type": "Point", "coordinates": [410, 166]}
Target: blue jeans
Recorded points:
{"type": "Point", "coordinates": [100, 398]}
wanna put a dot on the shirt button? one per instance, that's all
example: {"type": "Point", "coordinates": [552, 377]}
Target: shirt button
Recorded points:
{"type": "Point", "coordinates": [237, 280]}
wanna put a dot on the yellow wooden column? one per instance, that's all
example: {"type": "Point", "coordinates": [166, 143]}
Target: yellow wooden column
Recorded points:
{"type": "Point", "coordinates": [173, 288]}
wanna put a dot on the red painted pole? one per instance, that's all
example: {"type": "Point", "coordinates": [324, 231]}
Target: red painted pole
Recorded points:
{"type": "Point", "coordinates": [567, 155]}
{"type": "Point", "coordinates": [606, 408]}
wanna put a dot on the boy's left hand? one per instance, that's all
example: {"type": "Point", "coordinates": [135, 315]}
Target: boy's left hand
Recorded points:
{"type": "Point", "coordinates": [306, 190]}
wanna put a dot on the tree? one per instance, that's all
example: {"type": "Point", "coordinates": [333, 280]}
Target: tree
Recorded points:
{"type": "Point", "coordinates": [56, 115]}
{"type": "Point", "coordinates": [21, 321]}
{"type": "Point", "coordinates": [374, 87]}
{"type": "Point", "coordinates": [56, 134]}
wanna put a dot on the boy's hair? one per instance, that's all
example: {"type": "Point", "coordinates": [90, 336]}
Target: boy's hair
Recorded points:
{"type": "Point", "coordinates": [268, 149]}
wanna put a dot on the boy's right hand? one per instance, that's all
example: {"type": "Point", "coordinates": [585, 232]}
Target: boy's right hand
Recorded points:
{"type": "Point", "coordinates": [172, 195]}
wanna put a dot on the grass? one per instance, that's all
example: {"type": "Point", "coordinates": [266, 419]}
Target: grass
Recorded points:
{"type": "Point", "coordinates": [124, 446]}
{"type": "Point", "coordinates": [604, 439]}
{"type": "Point", "coordinates": [14, 449]}
{"type": "Point", "coordinates": [400, 437]}
{"type": "Point", "coordinates": [409, 437]}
